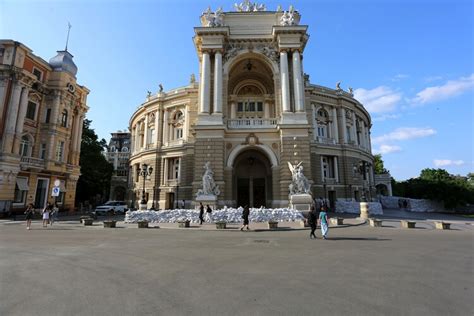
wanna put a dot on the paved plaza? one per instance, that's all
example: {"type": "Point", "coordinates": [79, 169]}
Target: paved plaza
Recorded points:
{"type": "Point", "coordinates": [70, 269]}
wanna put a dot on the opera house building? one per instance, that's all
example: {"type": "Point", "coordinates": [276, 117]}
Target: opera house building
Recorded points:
{"type": "Point", "coordinates": [250, 112]}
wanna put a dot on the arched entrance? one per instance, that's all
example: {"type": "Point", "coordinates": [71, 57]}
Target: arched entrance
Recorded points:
{"type": "Point", "coordinates": [252, 179]}
{"type": "Point", "coordinates": [382, 189]}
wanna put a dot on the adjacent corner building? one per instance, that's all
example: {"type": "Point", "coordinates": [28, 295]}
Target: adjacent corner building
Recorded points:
{"type": "Point", "coordinates": [42, 108]}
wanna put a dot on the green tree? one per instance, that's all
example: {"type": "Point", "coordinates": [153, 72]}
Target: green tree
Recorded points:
{"type": "Point", "coordinates": [96, 171]}
{"type": "Point", "coordinates": [378, 165]}
{"type": "Point", "coordinates": [435, 175]}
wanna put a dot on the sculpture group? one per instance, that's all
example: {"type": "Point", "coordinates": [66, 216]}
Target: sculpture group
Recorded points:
{"type": "Point", "coordinates": [209, 187]}
{"type": "Point", "coordinates": [299, 184]}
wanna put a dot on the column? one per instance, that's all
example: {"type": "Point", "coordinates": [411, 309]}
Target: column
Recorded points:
{"type": "Point", "coordinates": [217, 108]}
{"type": "Point", "coordinates": [145, 133]}
{"type": "Point", "coordinates": [343, 124]}
{"type": "Point", "coordinates": [20, 119]}
{"type": "Point", "coordinates": [233, 110]}
{"type": "Point", "coordinates": [335, 131]}
{"type": "Point", "coordinates": [266, 112]}
{"type": "Point", "coordinates": [336, 170]}
{"type": "Point", "coordinates": [285, 82]}
{"type": "Point", "coordinates": [157, 129]}
{"type": "Point", "coordinates": [298, 87]}
{"type": "Point", "coordinates": [137, 138]}
{"type": "Point", "coordinates": [53, 121]}
{"type": "Point", "coordinates": [362, 131]}
{"type": "Point", "coordinates": [186, 122]}
{"type": "Point", "coordinates": [3, 89]}
{"type": "Point", "coordinates": [79, 138]}
{"type": "Point", "coordinates": [165, 128]}
{"type": "Point", "coordinates": [205, 92]}
{"type": "Point", "coordinates": [353, 129]}
{"type": "Point", "coordinates": [12, 114]}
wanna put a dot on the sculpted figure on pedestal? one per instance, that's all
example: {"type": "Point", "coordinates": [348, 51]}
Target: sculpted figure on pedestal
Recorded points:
{"type": "Point", "coordinates": [209, 187]}
{"type": "Point", "coordinates": [300, 184]}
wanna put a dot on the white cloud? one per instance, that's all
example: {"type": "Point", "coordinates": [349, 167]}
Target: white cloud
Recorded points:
{"type": "Point", "coordinates": [386, 149]}
{"type": "Point", "coordinates": [385, 117]}
{"type": "Point", "coordinates": [378, 100]}
{"type": "Point", "coordinates": [449, 89]}
{"type": "Point", "coordinates": [399, 77]}
{"type": "Point", "coordinates": [404, 133]}
{"type": "Point", "coordinates": [447, 162]}
{"type": "Point", "coordinates": [433, 78]}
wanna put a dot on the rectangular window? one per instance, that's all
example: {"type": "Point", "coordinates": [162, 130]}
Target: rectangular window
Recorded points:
{"type": "Point", "coordinates": [328, 167]}
{"type": "Point", "coordinates": [151, 139]}
{"type": "Point", "coordinates": [348, 133]}
{"type": "Point", "coordinates": [42, 152]}
{"type": "Point", "coordinates": [37, 73]}
{"type": "Point", "coordinates": [60, 151]}
{"type": "Point", "coordinates": [321, 131]}
{"type": "Point", "coordinates": [259, 106]}
{"type": "Point", "coordinates": [31, 110]}
{"type": "Point", "coordinates": [173, 168]}
{"type": "Point", "coordinates": [137, 172]}
{"type": "Point", "coordinates": [48, 115]}
{"type": "Point", "coordinates": [240, 107]}
{"type": "Point", "coordinates": [179, 133]}
{"type": "Point", "coordinates": [252, 106]}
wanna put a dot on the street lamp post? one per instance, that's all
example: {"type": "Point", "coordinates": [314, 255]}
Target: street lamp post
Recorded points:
{"type": "Point", "coordinates": [145, 171]}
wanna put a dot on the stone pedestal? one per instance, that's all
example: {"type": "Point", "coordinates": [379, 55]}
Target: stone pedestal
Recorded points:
{"type": "Point", "coordinates": [364, 210]}
{"type": "Point", "coordinates": [210, 200]}
{"type": "Point", "coordinates": [142, 207]}
{"type": "Point", "coordinates": [301, 202]}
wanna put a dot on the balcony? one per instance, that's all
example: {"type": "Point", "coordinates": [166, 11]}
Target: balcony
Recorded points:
{"type": "Point", "coordinates": [171, 182]}
{"type": "Point", "coordinates": [326, 140]}
{"type": "Point", "coordinates": [251, 123]}
{"type": "Point", "coordinates": [31, 163]}
{"type": "Point", "coordinates": [175, 142]}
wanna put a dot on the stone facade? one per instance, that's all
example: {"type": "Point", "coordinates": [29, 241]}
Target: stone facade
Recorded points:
{"type": "Point", "coordinates": [42, 109]}
{"type": "Point", "coordinates": [118, 154]}
{"type": "Point", "coordinates": [252, 111]}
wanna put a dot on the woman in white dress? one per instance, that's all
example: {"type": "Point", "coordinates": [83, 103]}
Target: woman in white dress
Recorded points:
{"type": "Point", "coordinates": [46, 212]}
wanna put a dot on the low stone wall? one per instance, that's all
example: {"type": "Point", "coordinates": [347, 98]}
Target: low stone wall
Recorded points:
{"type": "Point", "coordinates": [389, 201]}
{"type": "Point", "coordinates": [413, 205]}
{"type": "Point", "coordinates": [375, 208]}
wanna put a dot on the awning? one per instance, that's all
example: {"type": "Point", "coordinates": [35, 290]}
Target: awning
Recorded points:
{"type": "Point", "coordinates": [22, 184]}
{"type": "Point", "coordinates": [62, 186]}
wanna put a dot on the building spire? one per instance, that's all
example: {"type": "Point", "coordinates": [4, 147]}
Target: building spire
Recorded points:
{"type": "Point", "coordinates": [68, 30]}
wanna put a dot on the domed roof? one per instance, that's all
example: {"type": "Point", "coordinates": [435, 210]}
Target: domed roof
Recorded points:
{"type": "Point", "coordinates": [63, 62]}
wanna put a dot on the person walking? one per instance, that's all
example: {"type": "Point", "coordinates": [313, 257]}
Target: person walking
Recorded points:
{"type": "Point", "coordinates": [245, 217]}
{"type": "Point", "coordinates": [29, 215]}
{"type": "Point", "coordinates": [54, 213]}
{"type": "Point", "coordinates": [208, 214]}
{"type": "Point", "coordinates": [312, 222]}
{"type": "Point", "coordinates": [46, 214]}
{"type": "Point", "coordinates": [201, 213]}
{"type": "Point", "coordinates": [323, 222]}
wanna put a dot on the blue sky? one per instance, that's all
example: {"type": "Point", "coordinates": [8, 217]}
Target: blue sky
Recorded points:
{"type": "Point", "coordinates": [410, 63]}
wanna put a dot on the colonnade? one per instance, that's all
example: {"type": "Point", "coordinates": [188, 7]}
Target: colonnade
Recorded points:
{"type": "Point", "coordinates": [298, 83]}
{"type": "Point", "coordinates": [205, 84]}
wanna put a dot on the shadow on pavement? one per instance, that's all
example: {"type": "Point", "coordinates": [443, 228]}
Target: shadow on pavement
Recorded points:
{"type": "Point", "coordinates": [357, 238]}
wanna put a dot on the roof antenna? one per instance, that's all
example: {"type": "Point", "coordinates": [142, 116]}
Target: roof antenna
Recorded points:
{"type": "Point", "coordinates": [68, 30]}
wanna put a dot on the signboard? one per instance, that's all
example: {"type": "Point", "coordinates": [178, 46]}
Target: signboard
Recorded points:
{"type": "Point", "coordinates": [55, 191]}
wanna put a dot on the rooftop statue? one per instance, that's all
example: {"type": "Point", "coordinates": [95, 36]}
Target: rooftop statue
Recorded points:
{"type": "Point", "coordinates": [247, 6]}
{"type": "Point", "coordinates": [289, 17]}
{"type": "Point", "coordinates": [213, 19]}
{"type": "Point", "coordinates": [160, 86]}
{"type": "Point", "coordinates": [338, 85]}
{"type": "Point", "coordinates": [209, 187]}
{"type": "Point", "coordinates": [299, 184]}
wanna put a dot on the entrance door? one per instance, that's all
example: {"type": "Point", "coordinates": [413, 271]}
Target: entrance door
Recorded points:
{"type": "Point", "coordinates": [169, 201]}
{"type": "Point", "coordinates": [41, 195]}
{"type": "Point", "coordinates": [243, 196]}
{"type": "Point", "coordinates": [259, 192]}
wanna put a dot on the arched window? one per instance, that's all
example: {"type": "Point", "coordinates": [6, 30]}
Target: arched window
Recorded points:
{"type": "Point", "coordinates": [178, 124]}
{"type": "Point", "coordinates": [64, 118]}
{"type": "Point", "coordinates": [25, 146]}
{"type": "Point", "coordinates": [322, 122]}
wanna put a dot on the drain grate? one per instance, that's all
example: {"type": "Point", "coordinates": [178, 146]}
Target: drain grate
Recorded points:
{"type": "Point", "coordinates": [262, 241]}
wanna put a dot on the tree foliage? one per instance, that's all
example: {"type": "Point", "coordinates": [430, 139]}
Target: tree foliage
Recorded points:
{"type": "Point", "coordinates": [378, 165]}
{"type": "Point", "coordinates": [96, 171]}
{"type": "Point", "coordinates": [439, 185]}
